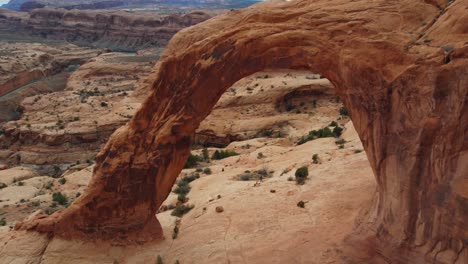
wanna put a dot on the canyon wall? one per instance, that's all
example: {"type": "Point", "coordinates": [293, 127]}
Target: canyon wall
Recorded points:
{"type": "Point", "coordinates": [117, 30]}
{"type": "Point", "coordinates": [401, 68]}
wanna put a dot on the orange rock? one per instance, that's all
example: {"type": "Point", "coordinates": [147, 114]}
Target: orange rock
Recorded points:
{"type": "Point", "coordinates": [219, 209]}
{"type": "Point", "coordinates": [407, 102]}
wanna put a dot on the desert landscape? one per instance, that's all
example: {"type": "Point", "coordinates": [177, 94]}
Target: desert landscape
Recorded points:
{"type": "Point", "coordinates": [219, 132]}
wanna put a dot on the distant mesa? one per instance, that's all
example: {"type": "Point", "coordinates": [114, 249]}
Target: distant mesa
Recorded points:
{"type": "Point", "coordinates": [27, 5]}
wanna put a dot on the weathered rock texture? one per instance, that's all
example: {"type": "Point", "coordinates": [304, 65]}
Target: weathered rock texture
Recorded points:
{"type": "Point", "coordinates": [29, 68]}
{"type": "Point", "coordinates": [401, 67]}
{"type": "Point", "coordinates": [117, 30]}
{"type": "Point", "coordinates": [65, 127]}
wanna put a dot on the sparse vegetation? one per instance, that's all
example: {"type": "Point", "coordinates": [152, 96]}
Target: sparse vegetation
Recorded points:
{"type": "Point", "coordinates": [181, 209]}
{"type": "Point", "coordinates": [62, 181]}
{"type": "Point", "coordinates": [3, 222]}
{"type": "Point", "coordinates": [159, 260]}
{"type": "Point", "coordinates": [183, 187]}
{"type": "Point", "coordinates": [218, 155]}
{"type": "Point", "coordinates": [301, 175]}
{"type": "Point", "coordinates": [315, 158]}
{"type": "Point", "coordinates": [193, 160]}
{"type": "Point", "coordinates": [59, 198]}
{"type": "Point", "coordinates": [207, 171]}
{"type": "Point", "coordinates": [301, 204]}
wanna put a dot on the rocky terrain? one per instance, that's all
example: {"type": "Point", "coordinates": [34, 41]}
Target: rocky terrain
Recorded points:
{"type": "Point", "coordinates": [267, 141]}
{"type": "Point", "coordinates": [68, 127]}
{"type": "Point", "coordinates": [30, 68]}
{"type": "Point", "coordinates": [297, 184]}
{"type": "Point", "coordinates": [116, 30]}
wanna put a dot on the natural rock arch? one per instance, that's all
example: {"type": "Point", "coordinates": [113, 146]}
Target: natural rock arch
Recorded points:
{"type": "Point", "coordinates": [407, 102]}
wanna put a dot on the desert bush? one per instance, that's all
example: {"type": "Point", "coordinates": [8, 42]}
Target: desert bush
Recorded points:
{"type": "Point", "coordinates": [301, 204]}
{"type": "Point", "coordinates": [182, 197]}
{"type": "Point", "coordinates": [207, 171]}
{"type": "Point", "coordinates": [59, 198]}
{"type": "Point", "coordinates": [301, 175]}
{"type": "Point", "coordinates": [337, 131]}
{"type": "Point", "coordinates": [181, 209]}
{"type": "Point", "coordinates": [193, 161]}
{"type": "Point", "coordinates": [182, 187]}
{"type": "Point", "coordinates": [218, 155]}
{"type": "Point", "coordinates": [315, 158]}
{"type": "Point", "coordinates": [62, 181]}
{"type": "Point", "coordinates": [333, 124]}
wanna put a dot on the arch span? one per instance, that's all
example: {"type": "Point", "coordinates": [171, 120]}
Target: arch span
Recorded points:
{"type": "Point", "coordinates": [407, 102]}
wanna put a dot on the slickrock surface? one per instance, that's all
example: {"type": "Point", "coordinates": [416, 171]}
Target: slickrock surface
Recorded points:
{"type": "Point", "coordinates": [117, 30]}
{"type": "Point", "coordinates": [66, 127]}
{"type": "Point", "coordinates": [405, 88]}
{"type": "Point", "coordinates": [25, 63]}
{"type": "Point", "coordinates": [256, 226]}
{"type": "Point", "coordinates": [273, 104]}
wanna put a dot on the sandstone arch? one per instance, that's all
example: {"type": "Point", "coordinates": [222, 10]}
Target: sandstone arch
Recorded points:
{"type": "Point", "coordinates": [408, 104]}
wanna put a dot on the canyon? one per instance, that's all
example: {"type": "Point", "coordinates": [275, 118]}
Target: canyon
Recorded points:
{"type": "Point", "coordinates": [116, 30]}
{"type": "Point", "coordinates": [261, 85]}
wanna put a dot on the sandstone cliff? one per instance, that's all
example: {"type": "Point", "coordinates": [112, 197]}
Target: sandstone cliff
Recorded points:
{"type": "Point", "coordinates": [405, 86]}
{"type": "Point", "coordinates": [117, 30]}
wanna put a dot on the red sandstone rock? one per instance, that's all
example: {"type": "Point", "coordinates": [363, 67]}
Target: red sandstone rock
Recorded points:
{"type": "Point", "coordinates": [406, 97]}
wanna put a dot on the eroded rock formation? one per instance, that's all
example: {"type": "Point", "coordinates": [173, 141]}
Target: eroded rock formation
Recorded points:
{"type": "Point", "coordinates": [117, 30]}
{"type": "Point", "coordinates": [401, 67]}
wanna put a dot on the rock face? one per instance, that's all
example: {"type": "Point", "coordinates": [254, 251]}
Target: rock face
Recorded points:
{"type": "Point", "coordinates": [403, 81]}
{"type": "Point", "coordinates": [117, 30]}
{"type": "Point", "coordinates": [66, 127]}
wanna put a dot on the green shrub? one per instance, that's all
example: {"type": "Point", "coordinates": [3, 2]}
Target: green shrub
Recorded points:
{"type": "Point", "coordinates": [182, 197]}
{"type": "Point", "coordinates": [59, 198]}
{"type": "Point", "coordinates": [333, 124]}
{"type": "Point", "coordinates": [3, 222]}
{"type": "Point", "coordinates": [62, 181]}
{"type": "Point", "coordinates": [181, 209]}
{"type": "Point", "coordinates": [159, 260]}
{"type": "Point", "coordinates": [182, 187]}
{"type": "Point", "coordinates": [337, 131]}
{"type": "Point", "coordinates": [207, 171]}
{"type": "Point", "coordinates": [193, 160]}
{"type": "Point", "coordinates": [301, 204]}
{"type": "Point", "coordinates": [301, 175]}
{"type": "Point", "coordinates": [217, 155]}
{"type": "Point", "coordinates": [315, 158]}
